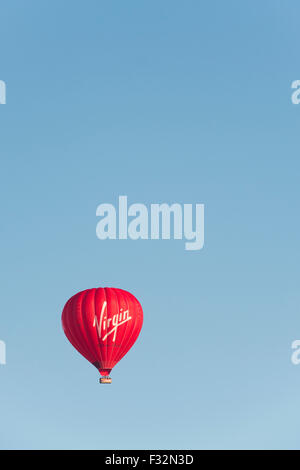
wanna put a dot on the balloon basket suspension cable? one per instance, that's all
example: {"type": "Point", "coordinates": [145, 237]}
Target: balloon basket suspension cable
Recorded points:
{"type": "Point", "coordinates": [105, 380]}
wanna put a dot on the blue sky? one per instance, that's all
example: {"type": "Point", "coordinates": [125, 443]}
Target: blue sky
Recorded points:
{"type": "Point", "coordinates": [163, 102]}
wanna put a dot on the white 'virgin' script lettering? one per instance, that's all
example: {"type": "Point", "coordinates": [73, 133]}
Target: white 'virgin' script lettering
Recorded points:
{"type": "Point", "coordinates": [114, 322]}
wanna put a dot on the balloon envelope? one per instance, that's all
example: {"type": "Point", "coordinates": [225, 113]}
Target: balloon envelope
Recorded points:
{"type": "Point", "coordinates": [102, 324]}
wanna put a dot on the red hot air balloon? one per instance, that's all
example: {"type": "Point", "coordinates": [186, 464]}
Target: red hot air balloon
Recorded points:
{"type": "Point", "coordinates": [102, 324]}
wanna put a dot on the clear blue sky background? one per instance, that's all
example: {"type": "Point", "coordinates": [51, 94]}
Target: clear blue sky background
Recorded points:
{"type": "Point", "coordinates": [171, 101]}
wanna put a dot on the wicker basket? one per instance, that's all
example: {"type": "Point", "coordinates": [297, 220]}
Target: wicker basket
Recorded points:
{"type": "Point", "coordinates": [105, 380]}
